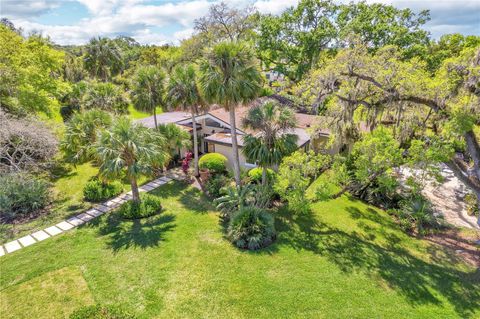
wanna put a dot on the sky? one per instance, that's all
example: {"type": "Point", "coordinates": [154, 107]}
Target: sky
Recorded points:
{"type": "Point", "coordinates": [169, 21]}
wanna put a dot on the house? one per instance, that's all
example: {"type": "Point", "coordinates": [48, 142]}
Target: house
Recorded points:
{"type": "Point", "coordinates": [214, 130]}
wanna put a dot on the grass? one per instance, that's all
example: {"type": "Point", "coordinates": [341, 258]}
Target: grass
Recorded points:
{"type": "Point", "coordinates": [66, 289]}
{"type": "Point", "coordinates": [135, 114]}
{"type": "Point", "coordinates": [344, 260]}
{"type": "Point", "coordinates": [67, 193]}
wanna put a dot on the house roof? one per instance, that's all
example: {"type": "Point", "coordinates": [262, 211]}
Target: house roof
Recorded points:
{"type": "Point", "coordinates": [226, 138]}
{"type": "Point", "coordinates": [303, 120]}
{"type": "Point", "coordinates": [164, 118]}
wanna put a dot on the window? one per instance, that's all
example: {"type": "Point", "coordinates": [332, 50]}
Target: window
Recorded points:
{"type": "Point", "coordinates": [212, 123]}
{"type": "Point", "coordinates": [210, 148]}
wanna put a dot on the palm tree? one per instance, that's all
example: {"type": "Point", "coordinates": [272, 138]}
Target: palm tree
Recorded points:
{"type": "Point", "coordinates": [230, 77]}
{"type": "Point", "coordinates": [81, 133]}
{"type": "Point", "coordinates": [183, 92]}
{"type": "Point", "coordinates": [272, 140]}
{"type": "Point", "coordinates": [103, 58]}
{"type": "Point", "coordinates": [131, 149]}
{"type": "Point", "coordinates": [177, 137]}
{"type": "Point", "coordinates": [148, 90]}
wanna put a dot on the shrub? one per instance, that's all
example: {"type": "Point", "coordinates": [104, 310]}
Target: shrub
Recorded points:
{"type": "Point", "coordinates": [472, 204]}
{"type": "Point", "coordinates": [415, 213]}
{"type": "Point", "coordinates": [96, 190]}
{"type": "Point", "coordinates": [22, 194]}
{"type": "Point", "coordinates": [251, 228]}
{"type": "Point", "coordinates": [214, 185]}
{"type": "Point", "coordinates": [149, 205]}
{"type": "Point", "coordinates": [255, 174]}
{"type": "Point", "coordinates": [100, 312]}
{"type": "Point", "coordinates": [214, 162]}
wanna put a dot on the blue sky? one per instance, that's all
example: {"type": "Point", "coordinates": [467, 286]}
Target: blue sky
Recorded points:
{"type": "Point", "coordinates": [169, 21]}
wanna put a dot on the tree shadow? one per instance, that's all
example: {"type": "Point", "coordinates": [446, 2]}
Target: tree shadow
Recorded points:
{"type": "Point", "coordinates": [141, 233]}
{"type": "Point", "coordinates": [188, 196]}
{"type": "Point", "coordinates": [421, 280]}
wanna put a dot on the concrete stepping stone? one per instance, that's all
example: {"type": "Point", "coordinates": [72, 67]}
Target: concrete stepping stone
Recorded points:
{"type": "Point", "coordinates": [75, 221]}
{"type": "Point", "coordinates": [154, 184]}
{"type": "Point", "coordinates": [147, 188]}
{"type": "Point", "coordinates": [2, 252]}
{"type": "Point", "coordinates": [27, 241]}
{"type": "Point", "coordinates": [64, 225]}
{"type": "Point", "coordinates": [52, 230]}
{"type": "Point", "coordinates": [102, 208]}
{"type": "Point", "coordinates": [40, 235]}
{"type": "Point", "coordinates": [94, 212]}
{"type": "Point", "coordinates": [85, 217]}
{"type": "Point", "coordinates": [12, 246]}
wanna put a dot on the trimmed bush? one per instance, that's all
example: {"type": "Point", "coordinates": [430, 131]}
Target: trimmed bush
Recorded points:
{"type": "Point", "coordinates": [100, 312]}
{"type": "Point", "coordinates": [214, 162]}
{"type": "Point", "coordinates": [251, 228]}
{"type": "Point", "coordinates": [149, 205]}
{"type": "Point", "coordinates": [255, 174]}
{"type": "Point", "coordinates": [97, 191]}
{"type": "Point", "coordinates": [22, 194]}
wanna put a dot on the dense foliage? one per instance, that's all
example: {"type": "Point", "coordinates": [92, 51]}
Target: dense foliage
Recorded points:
{"type": "Point", "coordinates": [22, 195]}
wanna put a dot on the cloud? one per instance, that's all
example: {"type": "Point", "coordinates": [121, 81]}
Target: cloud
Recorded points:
{"type": "Point", "coordinates": [26, 8]}
{"type": "Point", "coordinates": [141, 19]}
{"type": "Point", "coordinates": [274, 6]}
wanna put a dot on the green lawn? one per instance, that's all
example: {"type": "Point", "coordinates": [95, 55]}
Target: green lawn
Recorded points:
{"type": "Point", "coordinates": [135, 114]}
{"type": "Point", "coordinates": [344, 260]}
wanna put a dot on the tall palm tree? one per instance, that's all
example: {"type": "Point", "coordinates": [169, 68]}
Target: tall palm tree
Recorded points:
{"type": "Point", "coordinates": [103, 58]}
{"type": "Point", "coordinates": [230, 77]}
{"type": "Point", "coordinates": [184, 93]}
{"type": "Point", "coordinates": [129, 148]}
{"type": "Point", "coordinates": [148, 90]}
{"type": "Point", "coordinates": [273, 139]}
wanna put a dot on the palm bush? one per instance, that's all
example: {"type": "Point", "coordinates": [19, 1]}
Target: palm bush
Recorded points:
{"type": "Point", "coordinates": [415, 213]}
{"type": "Point", "coordinates": [214, 185]}
{"type": "Point", "coordinates": [22, 194]}
{"type": "Point", "coordinates": [214, 162]}
{"type": "Point", "coordinates": [251, 228]}
{"type": "Point", "coordinates": [148, 206]}
{"type": "Point", "coordinates": [97, 191]}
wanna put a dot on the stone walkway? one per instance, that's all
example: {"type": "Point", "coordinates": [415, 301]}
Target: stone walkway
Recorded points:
{"type": "Point", "coordinates": [82, 218]}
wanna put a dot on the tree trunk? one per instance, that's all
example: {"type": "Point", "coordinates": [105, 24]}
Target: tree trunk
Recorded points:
{"type": "Point", "coordinates": [195, 145]}
{"type": "Point", "coordinates": [264, 176]}
{"type": "Point", "coordinates": [236, 161]}
{"type": "Point", "coordinates": [135, 193]}
{"type": "Point", "coordinates": [474, 151]}
{"type": "Point", "coordinates": [155, 116]}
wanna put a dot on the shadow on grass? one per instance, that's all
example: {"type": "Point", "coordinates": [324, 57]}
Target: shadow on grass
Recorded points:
{"type": "Point", "coordinates": [189, 197]}
{"type": "Point", "coordinates": [419, 280]}
{"type": "Point", "coordinates": [141, 233]}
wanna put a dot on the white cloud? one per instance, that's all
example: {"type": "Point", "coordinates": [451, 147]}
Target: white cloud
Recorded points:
{"type": "Point", "coordinates": [141, 19]}
{"type": "Point", "coordinates": [26, 8]}
{"type": "Point", "coordinates": [274, 6]}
